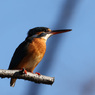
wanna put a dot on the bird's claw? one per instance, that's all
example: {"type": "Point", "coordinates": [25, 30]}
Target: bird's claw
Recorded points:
{"type": "Point", "coordinates": [24, 71]}
{"type": "Point", "coordinates": [37, 73]}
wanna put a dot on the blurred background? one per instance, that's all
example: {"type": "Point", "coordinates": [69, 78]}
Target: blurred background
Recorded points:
{"type": "Point", "coordinates": [70, 57]}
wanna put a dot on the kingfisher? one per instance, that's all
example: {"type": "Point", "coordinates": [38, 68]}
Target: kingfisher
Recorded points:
{"type": "Point", "coordinates": [31, 51]}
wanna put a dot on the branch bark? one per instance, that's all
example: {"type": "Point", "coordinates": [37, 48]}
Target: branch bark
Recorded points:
{"type": "Point", "coordinates": [29, 76]}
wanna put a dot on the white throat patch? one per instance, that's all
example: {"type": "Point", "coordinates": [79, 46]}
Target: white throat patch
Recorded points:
{"type": "Point", "coordinates": [46, 36]}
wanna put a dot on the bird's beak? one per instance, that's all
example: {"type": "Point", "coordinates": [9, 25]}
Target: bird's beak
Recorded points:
{"type": "Point", "coordinates": [60, 31]}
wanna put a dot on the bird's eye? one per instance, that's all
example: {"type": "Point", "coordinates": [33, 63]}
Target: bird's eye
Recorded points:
{"type": "Point", "coordinates": [42, 34]}
{"type": "Point", "coordinates": [35, 35]}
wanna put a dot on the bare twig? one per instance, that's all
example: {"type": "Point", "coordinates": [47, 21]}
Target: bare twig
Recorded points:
{"type": "Point", "coordinates": [29, 76]}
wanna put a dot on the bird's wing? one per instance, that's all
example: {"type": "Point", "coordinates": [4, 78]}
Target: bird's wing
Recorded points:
{"type": "Point", "coordinates": [19, 54]}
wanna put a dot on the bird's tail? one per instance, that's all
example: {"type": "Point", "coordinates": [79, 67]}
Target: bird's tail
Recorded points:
{"type": "Point", "coordinates": [12, 82]}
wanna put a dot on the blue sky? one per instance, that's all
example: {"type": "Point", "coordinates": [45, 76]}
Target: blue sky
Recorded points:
{"type": "Point", "coordinates": [73, 64]}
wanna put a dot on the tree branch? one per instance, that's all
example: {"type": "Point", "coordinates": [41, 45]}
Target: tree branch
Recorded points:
{"type": "Point", "coordinates": [29, 76]}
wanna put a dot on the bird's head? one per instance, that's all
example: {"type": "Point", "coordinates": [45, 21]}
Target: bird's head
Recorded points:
{"type": "Point", "coordinates": [44, 32]}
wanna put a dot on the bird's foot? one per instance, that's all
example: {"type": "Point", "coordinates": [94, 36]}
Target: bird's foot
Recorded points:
{"type": "Point", "coordinates": [24, 71]}
{"type": "Point", "coordinates": [37, 73]}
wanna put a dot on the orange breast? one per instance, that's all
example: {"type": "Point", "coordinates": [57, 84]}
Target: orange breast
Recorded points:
{"type": "Point", "coordinates": [36, 51]}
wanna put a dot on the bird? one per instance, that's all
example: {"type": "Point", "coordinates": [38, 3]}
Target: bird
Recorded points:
{"type": "Point", "coordinates": [31, 51]}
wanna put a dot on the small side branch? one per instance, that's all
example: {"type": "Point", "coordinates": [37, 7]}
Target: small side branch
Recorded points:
{"type": "Point", "coordinates": [29, 76]}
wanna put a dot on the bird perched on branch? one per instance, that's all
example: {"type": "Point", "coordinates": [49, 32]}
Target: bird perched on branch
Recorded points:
{"type": "Point", "coordinates": [31, 51]}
